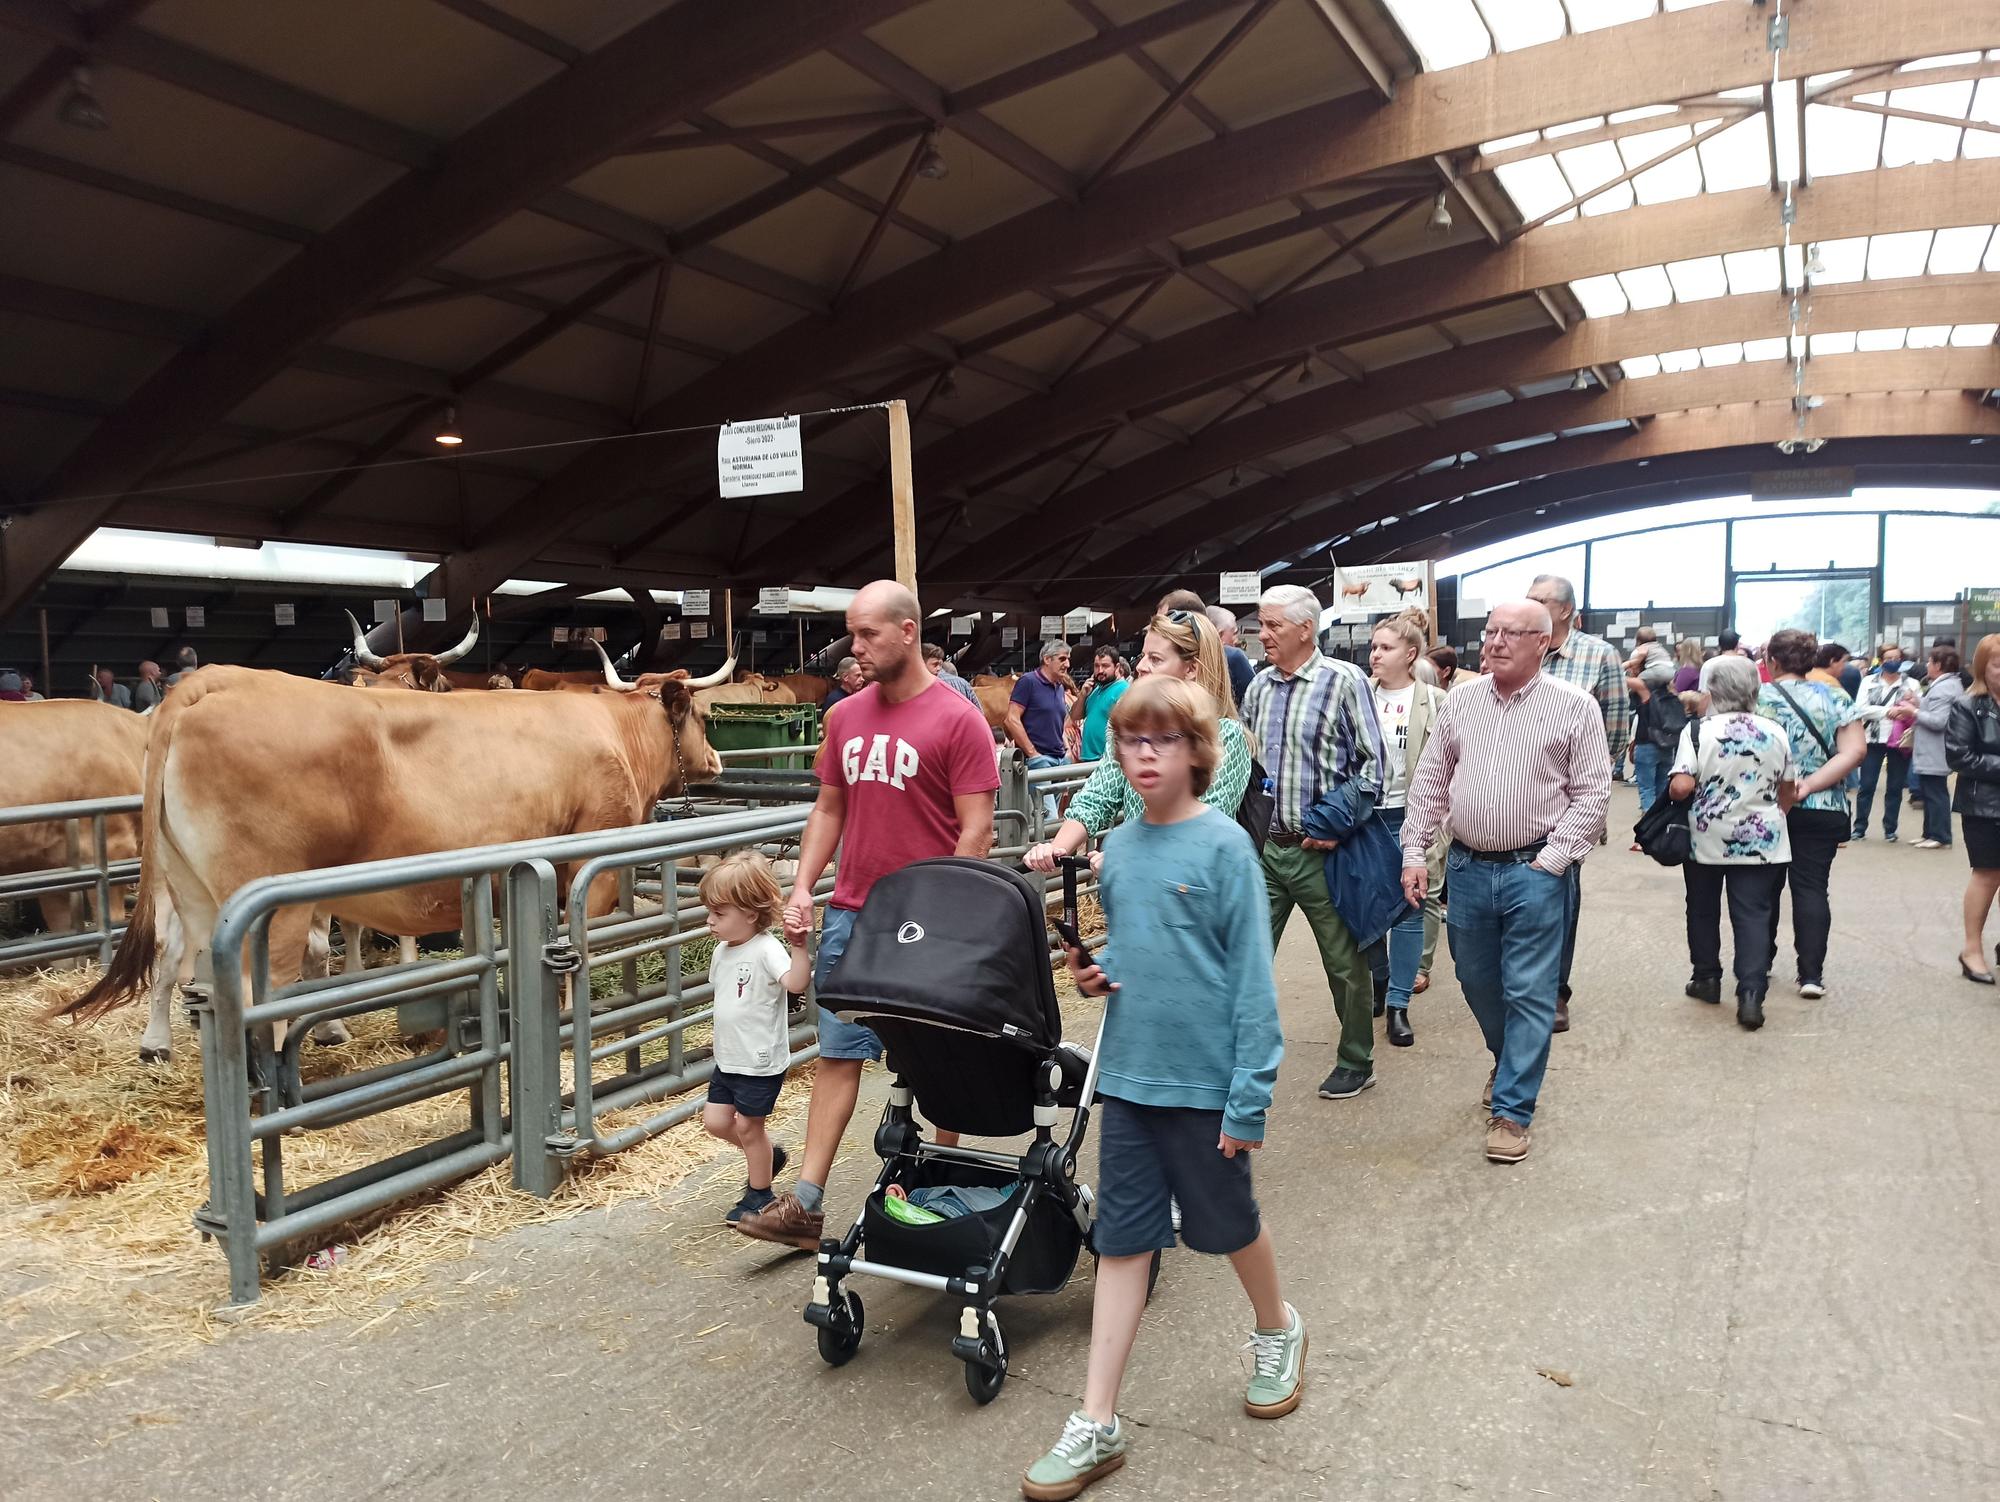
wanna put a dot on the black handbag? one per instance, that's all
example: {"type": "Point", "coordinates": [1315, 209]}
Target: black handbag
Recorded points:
{"type": "Point", "coordinates": [1258, 803]}
{"type": "Point", "coordinates": [1662, 830]}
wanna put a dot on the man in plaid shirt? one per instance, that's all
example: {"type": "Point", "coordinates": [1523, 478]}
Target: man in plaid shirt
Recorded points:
{"type": "Point", "coordinates": [1592, 664]}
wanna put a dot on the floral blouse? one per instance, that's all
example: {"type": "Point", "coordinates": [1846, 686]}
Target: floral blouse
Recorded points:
{"type": "Point", "coordinates": [1830, 709]}
{"type": "Point", "coordinates": [1107, 797]}
{"type": "Point", "coordinates": [1735, 819]}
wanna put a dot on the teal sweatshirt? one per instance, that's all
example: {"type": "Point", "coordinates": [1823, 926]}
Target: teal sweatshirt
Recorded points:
{"type": "Point", "coordinates": [1194, 1022]}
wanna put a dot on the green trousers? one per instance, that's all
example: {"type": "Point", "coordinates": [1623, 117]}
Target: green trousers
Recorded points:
{"type": "Point", "coordinates": [1296, 878]}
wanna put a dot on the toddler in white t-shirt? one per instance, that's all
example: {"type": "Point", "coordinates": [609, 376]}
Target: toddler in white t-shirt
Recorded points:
{"type": "Point", "coordinates": [754, 977]}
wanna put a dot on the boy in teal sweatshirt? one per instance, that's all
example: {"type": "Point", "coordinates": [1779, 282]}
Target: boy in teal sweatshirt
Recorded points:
{"type": "Point", "coordinates": [1189, 1057]}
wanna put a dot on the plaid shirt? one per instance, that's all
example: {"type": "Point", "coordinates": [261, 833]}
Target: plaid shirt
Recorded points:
{"type": "Point", "coordinates": [1312, 731]}
{"type": "Point", "coordinates": [1592, 664]}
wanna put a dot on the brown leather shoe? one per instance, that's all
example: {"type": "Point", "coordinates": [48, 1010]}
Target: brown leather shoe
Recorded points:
{"type": "Point", "coordinates": [1506, 1141]}
{"type": "Point", "coordinates": [1562, 1013]}
{"type": "Point", "coordinates": [786, 1222]}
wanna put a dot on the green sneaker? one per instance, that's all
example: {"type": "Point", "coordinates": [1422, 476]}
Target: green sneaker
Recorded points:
{"type": "Point", "coordinates": [1086, 1452]}
{"type": "Point", "coordinates": [1279, 1376]}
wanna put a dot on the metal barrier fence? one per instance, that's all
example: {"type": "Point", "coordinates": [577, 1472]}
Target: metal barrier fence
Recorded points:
{"type": "Point", "coordinates": [524, 1036]}
{"type": "Point", "coordinates": [86, 882]}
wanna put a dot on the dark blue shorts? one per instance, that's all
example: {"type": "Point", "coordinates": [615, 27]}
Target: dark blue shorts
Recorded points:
{"type": "Point", "coordinates": [1152, 1155]}
{"type": "Point", "coordinates": [750, 1094]}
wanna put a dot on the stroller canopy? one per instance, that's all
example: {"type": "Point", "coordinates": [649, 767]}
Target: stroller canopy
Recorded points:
{"type": "Point", "coordinates": [951, 943]}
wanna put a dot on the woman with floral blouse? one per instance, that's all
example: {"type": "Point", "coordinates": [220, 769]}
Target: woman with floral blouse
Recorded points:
{"type": "Point", "coordinates": [1182, 644]}
{"type": "Point", "coordinates": [1737, 767]}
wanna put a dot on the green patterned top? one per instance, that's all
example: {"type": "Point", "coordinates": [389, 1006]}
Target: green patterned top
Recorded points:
{"type": "Point", "coordinates": [1107, 796]}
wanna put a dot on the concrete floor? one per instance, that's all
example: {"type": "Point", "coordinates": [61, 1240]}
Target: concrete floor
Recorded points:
{"type": "Point", "coordinates": [1765, 1264]}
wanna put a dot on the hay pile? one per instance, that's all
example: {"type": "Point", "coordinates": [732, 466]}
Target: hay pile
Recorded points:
{"type": "Point", "coordinates": [107, 1168]}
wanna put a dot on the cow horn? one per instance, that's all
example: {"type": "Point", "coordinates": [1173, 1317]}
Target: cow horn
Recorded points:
{"type": "Point", "coordinates": [361, 653]}
{"type": "Point", "coordinates": [446, 659]}
{"type": "Point", "coordinates": [717, 678]}
{"type": "Point", "coordinates": [610, 673]}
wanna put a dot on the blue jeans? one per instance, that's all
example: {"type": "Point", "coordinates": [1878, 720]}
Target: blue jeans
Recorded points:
{"type": "Point", "coordinates": [1506, 924]}
{"type": "Point", "coordinates": [837, 1039]}
{"type": "Point", "coordinates": [1406, 939]}
{"type": "Point", "coordinates": [1035, 763]}
{"type": "Point", "coordinates": [1937, 806]}
{"type": "Point", "coordinates": [1649, 765]}
{"type": "Point", "coordinates": [1898, 763]}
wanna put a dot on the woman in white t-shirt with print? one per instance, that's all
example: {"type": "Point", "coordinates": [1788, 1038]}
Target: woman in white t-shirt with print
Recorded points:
{"type": "Point", "coordinates": [1407, 710]}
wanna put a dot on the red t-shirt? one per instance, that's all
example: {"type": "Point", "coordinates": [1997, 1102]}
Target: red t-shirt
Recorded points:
{"type": "Point", "coordinates": [901, 764]}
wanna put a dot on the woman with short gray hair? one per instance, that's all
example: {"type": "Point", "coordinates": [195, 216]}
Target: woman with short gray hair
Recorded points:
{"type": "Point", "coordinates": [1736, 766]}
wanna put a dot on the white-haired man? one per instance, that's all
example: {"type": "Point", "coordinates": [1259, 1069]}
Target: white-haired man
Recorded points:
{"type": "Point", "coordinates": [1517, 763]}
{"type": "Point", "coordinates": [1312, 724]}
{"type": "Point", "coordinates": [1592, 664]}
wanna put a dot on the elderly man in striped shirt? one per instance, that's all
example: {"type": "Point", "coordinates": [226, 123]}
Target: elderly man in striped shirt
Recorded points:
{"type": "Point", "coordinates": [1592, 664]}
{"type": "Point", "coordinates": [1312, 724]}
{"type": "Point", "coordinates": [1518, 764]}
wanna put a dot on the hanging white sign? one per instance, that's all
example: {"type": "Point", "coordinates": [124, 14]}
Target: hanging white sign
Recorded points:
{"type": "Point", "coordinates": [694, 602]}
{"type": "Point", "coordinates": [1240, 588]}
{"type": "Point", "coordinates": [197, 615]}
{"type": "Point", "coordinates": [1051, 626]}
{"type": "Point", "coordinates": [385, 610]}
{"type": "Point", "coordinates": [697, 630]}
{"type": "Point", "coordinates": [961, 625]}
{"type": "Point", "coordinates": [1940, 615]}
{"type": "Point", "coordinates": [764, 457]}
{"type": "Point", "coordinates": [159, 617]}
{"type": "Point", "coordinates": [774, 599]}
{"type": "Point", "coordinates": [559, 635]}
{"type": "Point", "coordinates": [672, 631]}
{"type": "Point", "coordinates": [434, 607]}
{"type": "Point", "coordinates": [1076, 623]}
{"type": "Point", "coordinates": [1664, 630]}
{"type": "Point", "coordinates": [1010, 636]}
{"type": "Point", "coordinates": [759, 638]}
{"type": "Point", "coordinates": [1471, 608]}
{"type": "Point", "coordinates": [1380, 586]}
{"type": "Point", "coordinates": [1625, 618]}
{"type": "Point", "coordinates": [285, 615]}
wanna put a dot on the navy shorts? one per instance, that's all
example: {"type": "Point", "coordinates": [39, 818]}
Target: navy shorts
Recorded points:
{"type": "Point", "coordinates": [750, 1094]}
{"type": "Point", "coordinates": [1150, 1156]}
{"type": "Point", "coordinates": [837, 1039]}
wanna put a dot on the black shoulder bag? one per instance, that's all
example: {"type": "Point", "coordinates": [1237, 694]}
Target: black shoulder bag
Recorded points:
{"type": "Point", "coordinates": [1663, 831]}
{"type": "Point", "coordinates": [1254, 810]}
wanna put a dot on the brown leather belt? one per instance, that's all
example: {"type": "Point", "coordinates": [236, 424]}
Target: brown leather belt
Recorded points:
{"type": "Point", "coordinates": [1287, 838]}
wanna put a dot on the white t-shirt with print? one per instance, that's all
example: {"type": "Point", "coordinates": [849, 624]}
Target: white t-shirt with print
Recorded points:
{"type": "Point", "coordinates": [751, 1005]}
{"type": "Point", "coordinates": [1392, 708]}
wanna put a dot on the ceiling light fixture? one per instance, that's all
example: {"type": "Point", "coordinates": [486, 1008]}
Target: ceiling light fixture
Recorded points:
{"type": "Point", "coordinates": [932, 164]}
{"type": "Point", "coordinates": [448, 434]}
{"type": "Point", "coordinates": [1581, 383]}
{"type": "Point", "coordinates": [1235, 477]}
{"type": "Point", "coordinates": [1440, 220]}
{"type": "Point", "coordinates": [80, 106]}
{"type": "Point", "coordinates": [948, 387]}
{"type": "Point", "coordinates": [1815, 262]}
{"type": "Point", "coordinates": [1306, 371]}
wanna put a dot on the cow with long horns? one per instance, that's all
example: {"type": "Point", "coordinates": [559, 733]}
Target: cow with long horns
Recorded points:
{"type": "Point", "coordinates": [426, 672]}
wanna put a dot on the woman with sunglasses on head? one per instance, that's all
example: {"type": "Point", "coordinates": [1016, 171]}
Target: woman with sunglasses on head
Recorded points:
{"type": "Point", "coordinates": [1407, 710]}
{"type": "Point", "coordinates": [1181, 644]}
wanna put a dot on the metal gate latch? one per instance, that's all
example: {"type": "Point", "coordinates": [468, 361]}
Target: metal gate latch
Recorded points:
{"type": "Point", "coordinates": [561, 957]}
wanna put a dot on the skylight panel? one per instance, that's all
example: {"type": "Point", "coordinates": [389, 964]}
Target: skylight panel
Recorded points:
{"type": "Point", "coordinates": [1536, 185]}
{"type": "Point", "coordinates": [1902, 254]}
{"type": "Point", "coordinates": [1905, 142]}
{"type": "Point", "coordinates": [1599, 296]}
{"type": "Point", "coordinates": [1928, 336]}
{"type": "Point", "coordinates": [1445, 33]}
{"type": "Point", "coordinates": [1592, 166]}
{"type": "Point", "coordinates": [1992, 261]}
{"type": "Point", "coordinates": [1674, 361]}
{"type": "Point", "coordinates": [1679, 177]}
{"type": "Point", "coordinates": [1832, 344]}
{"type": "Point", "coordinates": [1647, 287]}
{"type": "Point", "coordinates": [1839, 141]}
{"type": "Point", "coordinates": [1764, 349]}
{"type": "Point", "coordinates": [1875, 341]}
{"type": "Point", "coordinates": [1785, 128]}
{"type": "Point", "coordinates": [1845, 260]}
{"type": "Point", "coordinates": [1956, 251]}
{"type": "Point", "coordinates": [1736, 156]}
{"type": "Point", "coordinates": [1713, 355]}
{"type": "Point", "coordinates": [1973, 335]}
{"type": "Point", "coordinates": [1594, 15]}
{"type": "Point", "coordinates": [1752, 270]}
{"type": "Point", "coordinates": [1942, 60]}
{"type": "Point", "coordinates": [1986, 107]}
{"type": "Point", "coordinates": [1698, 279]}
{"type": "Point", "coordinates": [1640, 366]}
{"type": "Point", "coordinates": [1508, 143]}
{"type": "Point", "coordinates": [1795, 266]}
{"type": "Point", "coordinates": [1525, 23]}
{"type": "Point", "coordinates": [1645, 112]}
{"type": "Point", "coordinates": [1571, 127]}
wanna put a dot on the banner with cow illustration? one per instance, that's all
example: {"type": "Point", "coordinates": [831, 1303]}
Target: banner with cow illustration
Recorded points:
{"type": "Point", "coordinates": [1382, 588]}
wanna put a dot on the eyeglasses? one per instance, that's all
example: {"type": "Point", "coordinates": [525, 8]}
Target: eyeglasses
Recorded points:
{"type": "Point", "coordinates": [1512, 633]}
{"type": "Point", "coordinates": [1161, 744]}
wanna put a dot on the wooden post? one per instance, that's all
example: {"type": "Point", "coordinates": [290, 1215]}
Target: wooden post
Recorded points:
{"type": "Point", "coordinates": [47, 687]}
{"type": "Point", "coordinates": [802, 644]}
{"type": "Point", "coordinates": [1431, 594]}
{"type": "Point", "coordinates": [902, 495]}
{"type": "Point", "coordinates": [728, 623]}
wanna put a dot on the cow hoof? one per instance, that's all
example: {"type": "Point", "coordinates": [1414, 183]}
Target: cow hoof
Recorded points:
{"type": "Point", "coordinates": [156, 1055]}
{"type": "Point", "coordinates": [332, 1035]}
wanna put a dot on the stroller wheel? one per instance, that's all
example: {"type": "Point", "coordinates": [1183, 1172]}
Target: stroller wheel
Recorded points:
{"type": "Point", "coordinates": [987, 1374]}
{"type": "Point", "coordinates": [840, 1336]}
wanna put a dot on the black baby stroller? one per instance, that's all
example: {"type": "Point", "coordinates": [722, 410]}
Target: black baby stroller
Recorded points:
{"type": "Point", "coordinates": [949, 964]}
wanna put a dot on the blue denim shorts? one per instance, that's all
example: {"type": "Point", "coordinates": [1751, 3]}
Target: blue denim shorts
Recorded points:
{"type": "Point", "coordinates": [1150, 1156]}
{"type": "Point", "coordinates": [837, 1039]}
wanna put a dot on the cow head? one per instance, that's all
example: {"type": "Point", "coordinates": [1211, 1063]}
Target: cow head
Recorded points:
{"type": "Point", "coordinates": [423, 671]}
{"type": "Point", "coordinates": [693, 760]}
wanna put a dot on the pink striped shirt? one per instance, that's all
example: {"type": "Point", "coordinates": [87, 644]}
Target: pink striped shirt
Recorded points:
{"type": "Point", "coordinates": [1509, 771]}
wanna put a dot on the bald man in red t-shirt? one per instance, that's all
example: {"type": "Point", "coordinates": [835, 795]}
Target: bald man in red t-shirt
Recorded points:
{"type": "Point", "coordinates": [906, 772]}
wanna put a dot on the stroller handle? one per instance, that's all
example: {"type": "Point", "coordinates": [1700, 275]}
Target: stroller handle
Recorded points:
{"type": "Point", "coordinates": [1071, 865]}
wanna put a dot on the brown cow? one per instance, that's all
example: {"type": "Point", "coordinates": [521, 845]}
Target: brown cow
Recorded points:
{"type": "Point", "coordinates": [994, 695]}
{"type": "Point", "coordinates": [253, 774]}
{"type": "Point", "coordinates": [59, 751]}
{"type": "Point", "coordinates": [807, 688]}
{"type": "Point", "coordinates": [425, 672]}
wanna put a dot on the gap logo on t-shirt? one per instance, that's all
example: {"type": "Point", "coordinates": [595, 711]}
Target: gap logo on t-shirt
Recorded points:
{"type": "Point", "coordinates": [879, 764]}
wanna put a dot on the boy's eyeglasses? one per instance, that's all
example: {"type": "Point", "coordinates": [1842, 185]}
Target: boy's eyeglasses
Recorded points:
{"type": "Point", "coordinates": [1165, 741]}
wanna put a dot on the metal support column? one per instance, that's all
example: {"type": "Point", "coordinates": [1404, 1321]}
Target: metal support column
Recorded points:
{"type": "Point", "coordinates": [534, 1003]}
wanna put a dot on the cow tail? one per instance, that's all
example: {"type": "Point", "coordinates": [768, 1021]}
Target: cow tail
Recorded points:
{"type": "Point", "coordinates": [131, 969]}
